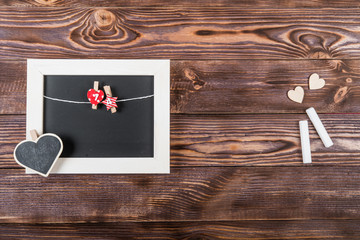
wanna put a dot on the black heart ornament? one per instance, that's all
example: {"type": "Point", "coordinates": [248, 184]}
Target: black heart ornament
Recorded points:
{"type": "Point", "coordinates": [39, 155]}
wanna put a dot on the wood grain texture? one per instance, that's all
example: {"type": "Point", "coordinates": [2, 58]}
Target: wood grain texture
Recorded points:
{"type": "Point", "coordinates": [260, 86]}
{"type": "Point", "coordinates": [233, 140]}
{"type": "Point", "coordinates": [202, 193]}
{"type": "Point", "coordinates": [235, 173]}
{"type": "Point", "coordinates": [12, 87]}
{"type": "Point", "coordinates": [12, 131]}
{"type": "Point", "coordinates": [231, 86]}
{"type": "Point", "coordinates": [260, 140]}
{"type": "Point", "coordinates": [184, 3]}
{"type": "Point", "coordinates": [195, 33]}
{"type": "Point", "coordinates": [231, 230]}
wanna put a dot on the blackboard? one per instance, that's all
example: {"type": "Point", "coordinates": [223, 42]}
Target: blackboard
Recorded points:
{"type": "Point", "coordinates": [98, 133]}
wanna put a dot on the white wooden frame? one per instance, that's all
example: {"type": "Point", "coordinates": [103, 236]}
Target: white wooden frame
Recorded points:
{"type": "Point", "coordinates": [160, 69]}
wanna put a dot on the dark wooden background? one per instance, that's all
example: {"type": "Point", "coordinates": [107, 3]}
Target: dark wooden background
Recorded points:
{"type": "Point", "coordinates": [236, 167]}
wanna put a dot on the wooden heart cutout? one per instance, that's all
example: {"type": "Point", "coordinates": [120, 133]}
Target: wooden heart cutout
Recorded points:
{"type": "Point", "coordinates": [95, 96]}
{"type": "Point", "coordinates": [296, 95]}
{"type": "Point", "coordinates": [39, 155]}
{"type": "Point", "coordinates": [315, 82]}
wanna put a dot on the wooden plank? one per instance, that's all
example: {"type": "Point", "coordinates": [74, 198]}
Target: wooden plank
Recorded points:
{"type": "Point", "coordinates": [310, 229]}
{"type": "Point", "coordinates": [201, 193]}
{"type": "Point", "coordinates": [233, 140]}
{"type": "Point", "coordinates": [12, 87]}
{"type": "Point", "coordinates": [176, 33]}
{"type": "Point", "coordinates": [259, 86]}
{"type": "Point", "coordinates": [260, 140]}
{"type": "Point", "coordinates": [184, 3]}
{"type": "Point", "coordinates": [231, 86]}
{"type": "Point", "coordinates": [12, 131]}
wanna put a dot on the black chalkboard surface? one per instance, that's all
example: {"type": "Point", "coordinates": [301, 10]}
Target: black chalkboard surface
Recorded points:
{"type": "Point", "coordinates": [98, 133]}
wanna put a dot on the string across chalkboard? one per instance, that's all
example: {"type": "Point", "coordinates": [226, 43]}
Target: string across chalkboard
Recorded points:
{"type": "Point", "coordinates": [79, 102]}
{"type": "Point", "coordinates": [95, 96]}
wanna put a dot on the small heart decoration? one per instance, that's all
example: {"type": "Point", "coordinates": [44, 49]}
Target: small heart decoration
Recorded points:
{"type": "Point", "coordinates": [296, 95]}
{"type": "Point", "coordinates": [315, 82]}
{"type": "Point", "coordinates": [39, 155]}
{"type": "Point", "coordinates": [95, 97]}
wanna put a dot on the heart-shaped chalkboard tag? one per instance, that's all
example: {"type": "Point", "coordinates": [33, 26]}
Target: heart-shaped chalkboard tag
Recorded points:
{"type": "Point", "coordinates": [39, 155]}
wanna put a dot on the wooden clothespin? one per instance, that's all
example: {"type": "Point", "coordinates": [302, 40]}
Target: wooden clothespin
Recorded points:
{"type": "Point", "coordinates": [96, 88]}
{"type": "Point", "coordinates": [33, 134]}
{"type": "Point", "coordinates": [108, 93]}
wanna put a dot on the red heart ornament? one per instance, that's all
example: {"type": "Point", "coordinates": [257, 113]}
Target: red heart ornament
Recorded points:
{"type": "Point", "coordinates": [94, 96]}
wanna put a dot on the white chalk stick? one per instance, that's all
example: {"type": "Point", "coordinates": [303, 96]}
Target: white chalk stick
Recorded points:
{"type": "Point", "coordinates": [305, 141]}
{"type": "Point", "coordinates": [325, 138]}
